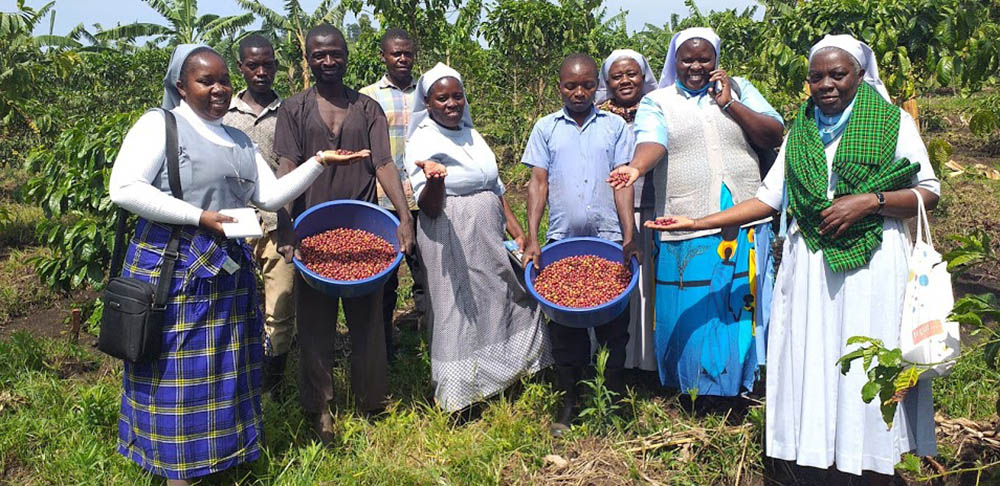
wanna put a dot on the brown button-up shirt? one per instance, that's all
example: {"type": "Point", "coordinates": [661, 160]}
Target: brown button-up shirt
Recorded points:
{"type": "Point", "coordinates": [301, 132]}
{"type": "Point", "coordinates": [260, 129]}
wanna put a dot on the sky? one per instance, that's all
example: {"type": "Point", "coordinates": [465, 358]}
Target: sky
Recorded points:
{"type": "Point", "coordinates": [108, 13]}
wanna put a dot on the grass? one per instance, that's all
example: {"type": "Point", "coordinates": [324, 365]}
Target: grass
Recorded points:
{"type": "Point", "coordinates": [951, 104]}
{"type": "Point", "coordinates": [970, 391]}
{"type": "Point", "coordinates": [59, 410]}
{"type": "Point", "coordinates": [20, 289]}
{"type": "Point", "coordinates": [17, 224]}
{"type": "Point", "coordinates": [59, 405]}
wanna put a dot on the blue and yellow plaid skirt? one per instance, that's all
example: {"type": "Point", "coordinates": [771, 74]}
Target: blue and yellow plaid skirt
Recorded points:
{"type": "Point", "coordinates": [196, 409]}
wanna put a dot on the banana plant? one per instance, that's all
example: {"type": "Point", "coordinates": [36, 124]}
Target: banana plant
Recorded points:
{"type": "Point", "coordinates": [185, 26]}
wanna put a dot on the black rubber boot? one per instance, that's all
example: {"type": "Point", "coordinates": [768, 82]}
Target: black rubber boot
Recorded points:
{"type": "Point", "coordinates": [274, 374]}
{"type": "Point", "coordinates": [567, 379]}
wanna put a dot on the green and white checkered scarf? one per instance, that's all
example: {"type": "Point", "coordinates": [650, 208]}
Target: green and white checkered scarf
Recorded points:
{"type": "Point", "coordinates": [864, 162]}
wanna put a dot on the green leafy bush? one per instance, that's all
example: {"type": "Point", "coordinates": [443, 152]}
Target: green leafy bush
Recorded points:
{"type": "Point", "coordinates": [70, 184]}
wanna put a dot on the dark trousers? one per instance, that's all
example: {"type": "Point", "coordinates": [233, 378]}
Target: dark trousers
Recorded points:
{"type": "Point", "coordinates": [389, 294]}
{"type": "Point", "coordinates": [317, 325]}
{"type": "Point", "coordinates": [571, 345]}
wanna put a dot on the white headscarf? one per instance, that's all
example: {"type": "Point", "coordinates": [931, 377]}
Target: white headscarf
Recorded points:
{"type": "Point", "coordinates": [861, 52]}
{"type": "Point", "coordinates": [419, 111]}
{"type": "Point", "coordinates": [669, 74]}
{"type": "Point", "coordinates": [172, 97]}
{"type": "Point", "coordinates": [648, 80]}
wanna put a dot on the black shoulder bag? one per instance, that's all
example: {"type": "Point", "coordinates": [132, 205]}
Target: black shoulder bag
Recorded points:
{"type": "Point", "coordinates": [132, 323]}
{"type": "Point", "coordinates": [765, 156]}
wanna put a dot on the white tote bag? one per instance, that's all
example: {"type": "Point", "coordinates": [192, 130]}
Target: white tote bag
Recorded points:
{"type": "Point", "coordinates": [926, 335]}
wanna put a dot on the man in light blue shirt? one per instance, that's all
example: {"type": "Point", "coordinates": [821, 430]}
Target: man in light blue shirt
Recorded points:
{"type": "Point", "coordinates": [571, 152]}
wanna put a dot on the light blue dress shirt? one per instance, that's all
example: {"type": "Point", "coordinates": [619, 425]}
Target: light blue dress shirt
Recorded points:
{"type": "Point", "coordinates": [578, 161]}
{"type": "Point", "coordinates": [651, 123]}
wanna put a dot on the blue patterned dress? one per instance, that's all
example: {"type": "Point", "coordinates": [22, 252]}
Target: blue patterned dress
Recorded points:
{"type": "Point", "coordinates": [196, 409]}
{"type": "Point", "coordinates": [711, 301]}
{"type": "Point", "coordinates": [706, 301]}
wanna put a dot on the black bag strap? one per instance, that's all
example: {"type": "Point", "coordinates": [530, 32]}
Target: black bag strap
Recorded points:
{"type": "Point", "coordinates": [170, 253]}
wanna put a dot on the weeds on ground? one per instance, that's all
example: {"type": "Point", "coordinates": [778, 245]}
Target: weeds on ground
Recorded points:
{"type": "Point", "coordinates": [602, 403]}
{"type": "Point", "coordinates": [17, 224]}
{"type": "Point", "coordinates": [20, 289]}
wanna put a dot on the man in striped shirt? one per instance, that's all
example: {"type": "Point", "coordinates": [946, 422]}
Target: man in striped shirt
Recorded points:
{"type": "Point", "coordinates": [395, 93]}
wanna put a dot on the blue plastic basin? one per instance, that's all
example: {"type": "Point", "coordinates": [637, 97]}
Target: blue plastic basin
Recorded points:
{"type": "Point", "coordinates": [347, 213]}
{"type": "Point", "coordinates": [584, 316]}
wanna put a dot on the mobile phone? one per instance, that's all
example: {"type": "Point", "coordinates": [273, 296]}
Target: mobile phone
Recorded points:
{"type": "Point", "coordinates": [718, 87]}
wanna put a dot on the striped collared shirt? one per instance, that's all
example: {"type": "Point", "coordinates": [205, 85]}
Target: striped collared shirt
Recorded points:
{"type": "Point", "coordinates": [260, 129]}
{"type": "Point", "coordinates": [396, 103]}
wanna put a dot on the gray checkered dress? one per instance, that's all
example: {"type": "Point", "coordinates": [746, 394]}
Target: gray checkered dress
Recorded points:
{"type": "Point", "coordinates": [487, 332]}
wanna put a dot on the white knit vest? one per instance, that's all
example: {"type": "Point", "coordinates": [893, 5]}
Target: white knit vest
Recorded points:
{"type": "Point", "coordinates": [707, 148]}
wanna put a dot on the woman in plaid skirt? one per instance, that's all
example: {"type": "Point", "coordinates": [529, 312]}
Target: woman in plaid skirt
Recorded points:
{"type": "Point", "coordinates": [843, 175]}
{"type": "Point", "coordinates": [195, 410]}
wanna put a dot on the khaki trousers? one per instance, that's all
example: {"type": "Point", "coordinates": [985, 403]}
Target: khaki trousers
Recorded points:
{"type": "Point", "coordinates": [279, 301]}
{"type": "Point", "coordinates": [317, 324]}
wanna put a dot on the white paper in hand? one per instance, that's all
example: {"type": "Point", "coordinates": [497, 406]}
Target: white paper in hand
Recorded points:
{"type": "Point", "coordinates": [246, 225]}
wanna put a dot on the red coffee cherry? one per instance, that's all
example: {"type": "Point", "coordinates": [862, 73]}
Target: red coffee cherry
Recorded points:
{"type": "Point", "coordinates": [344, 152]}
{"type": "Point", "coordinates": [582, 281]}
{"type": "Point", "coordinates": [665, 221]}
{"type": "Point", "coordinates": [346, 254]}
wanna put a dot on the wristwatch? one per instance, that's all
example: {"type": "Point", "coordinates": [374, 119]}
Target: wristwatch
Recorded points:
{"type": "Point", "coordinates": [881, 202]}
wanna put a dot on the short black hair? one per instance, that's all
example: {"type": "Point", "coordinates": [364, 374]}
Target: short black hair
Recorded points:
{"type": "Point", "coordinates": [197, 51]}
{"type": "Point", "coordinates": [253, 41]}
{"type": "Point", "coordinates": [579, 58]}
{"type": "Point", "coordinates": [392, 34]}
{"type": "Point", "coordinates": [325, 30]}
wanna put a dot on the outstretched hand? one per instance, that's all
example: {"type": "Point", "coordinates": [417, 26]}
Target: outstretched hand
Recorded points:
{"type": "Point", "coordinates": [671, 223]}
{"type": "Point", "coordinates": [340, 156]}
{"type": "Point", "coordinates": [432, 169]}
{"type": "Point", "coordinates": [622, 177]}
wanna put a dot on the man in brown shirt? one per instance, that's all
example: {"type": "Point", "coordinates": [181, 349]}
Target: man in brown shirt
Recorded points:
{"type": "Point", "coordinates": [255, 111]}
{"type": "Point", "coordinates": [331, 116]}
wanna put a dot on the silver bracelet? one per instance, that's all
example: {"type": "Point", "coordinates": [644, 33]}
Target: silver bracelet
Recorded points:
{"type": "Point", "coordinates": [725, 107]}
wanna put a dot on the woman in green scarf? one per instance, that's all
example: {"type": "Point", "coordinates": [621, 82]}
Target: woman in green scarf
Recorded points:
{"type": "Point", "coordinates": [844, 174]}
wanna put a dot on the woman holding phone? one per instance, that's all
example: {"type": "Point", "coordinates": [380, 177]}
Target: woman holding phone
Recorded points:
{"type": "Point", "coordinates": [705, 280]}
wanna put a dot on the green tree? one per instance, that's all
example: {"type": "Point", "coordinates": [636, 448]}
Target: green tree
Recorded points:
{"type": "Point", "coordinates": [528, 40]}
{"type": "Point", "coordinates": [185, 25]}
{"type": "Point", "coordinates": [23, 60]}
